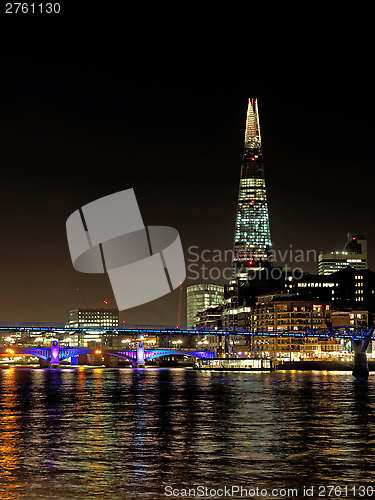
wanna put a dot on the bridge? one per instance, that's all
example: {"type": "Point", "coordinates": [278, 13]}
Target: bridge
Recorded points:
{"type": "Point", "coordinates": [53, 355]}
{"type": "Point", "coordinates": [345, 332]}
{"type": "Point", "coordinates": [359, 336]}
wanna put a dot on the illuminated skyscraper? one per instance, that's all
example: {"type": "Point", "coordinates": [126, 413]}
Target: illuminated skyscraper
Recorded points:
{"type": "Point", "coordinates": [200, 297]}
{"type": "Point", "coordinates": [252, 237]}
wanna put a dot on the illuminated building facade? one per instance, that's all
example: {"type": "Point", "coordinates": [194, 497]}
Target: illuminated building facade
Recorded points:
{"type": "Point", "coordinates": [94, 318]}
{"type": "Point", "coordinates": [252, 236]}
{"type": "Point", "coordinates": [210, 318]}
{"type": "Point", "coordinates": [353, 255]}
{"type": "Point", "coordinates": [200, 297]}
{"type": "Point", "coordinates": [349, 287]}
{"type": "Point", "coordinates": [286, 312]}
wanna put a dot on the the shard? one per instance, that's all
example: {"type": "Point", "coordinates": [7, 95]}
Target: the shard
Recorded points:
{"type": "Point", "coordinates": [252, 237]}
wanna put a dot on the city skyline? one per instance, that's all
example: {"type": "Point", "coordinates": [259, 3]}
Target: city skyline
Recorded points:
{"type": "Point", "coordinates": [270, 394]}
{"type": "Point", "coordinates": [73, 132]}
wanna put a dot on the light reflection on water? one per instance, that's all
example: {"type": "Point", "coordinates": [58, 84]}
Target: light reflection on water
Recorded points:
{"type": "Point", "coordinates": [121, 433]}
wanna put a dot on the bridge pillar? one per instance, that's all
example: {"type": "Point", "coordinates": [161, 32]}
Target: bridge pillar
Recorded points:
{"type": "Point", "coordinates": [110, 361]}
{"type": "Point", "coordinates": [74, 360]}
{"type": "Point", "coordinates": [90, 359]}
{"type": "Point", "coordinates": [140, 355]}
{"type": "Point", "coordinates": [359, 346]}
{"type": "Point", "coordinates": [55, 360]}
{"type": "Point", "coordinates": [82, 359]}
{"type": "Point", "coordinates": [94, 360]}
{"type": "Point", "coordinates": [43, 363]}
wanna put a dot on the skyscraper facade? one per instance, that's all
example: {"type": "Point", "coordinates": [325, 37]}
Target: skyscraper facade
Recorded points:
{"type": "Point", "coordinates": [252, 236]}
{"type": "Point", "coordinates": [200, 297]}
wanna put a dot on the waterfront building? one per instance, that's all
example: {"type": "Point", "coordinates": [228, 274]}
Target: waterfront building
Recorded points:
{"type": "Point", "coordinates": [97, 319]}
{"type": "Point", "coordinates": [284, 312]}
{"type": "Point", "coordinates": [210, 318]}
{"type": "Point", "coordinates": [252, 231]}
{"type": "Point", "coordinates": [239, 295]}
{"type": "Point", "coordinates": [349, 287]}
{"type": "Point", "coordinates": [296, 312]}
{"type": "Point", "coordinates": [350, 317]}
{"type": "Point", "coordinates": [94, 318]}
{"type": "Point", "coordinates": [200, 297]}
{"type": "Point", "coordinates": [278, 312]}
{"type": "Point", "coordinates": [212, 342]}
{"type": "Point", "coordinates": [354, 255]}
{"type": "Point", "coordinates": [35, 338]}
{"type": "Point", "coordinates": [229, 315]}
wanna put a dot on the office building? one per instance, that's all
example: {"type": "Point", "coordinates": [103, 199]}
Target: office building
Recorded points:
{"type": "Point", "coordinates": [348, 287]}
{"type": "Point", "coordinates": [94, 318]}
{"type": "Point", "coordinates": [354, 255]}
{"type": "Point", "coordinates": [200, 297]}
{"type": "Point", "coordinates": [210, 318]}
{"type": "Point", "coordinates": [284, 312]}
{"type": "Point", "coordinates": [252, 233]}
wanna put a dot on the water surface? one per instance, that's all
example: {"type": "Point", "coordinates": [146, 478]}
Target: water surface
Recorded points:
{"type": "Point", "coordinates": [122, 433]}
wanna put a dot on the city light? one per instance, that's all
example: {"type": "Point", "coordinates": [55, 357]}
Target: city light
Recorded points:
{"type": "Point", "coordinates": [203, 342]}
{"type": "Point", "coordinates": [177, 342]}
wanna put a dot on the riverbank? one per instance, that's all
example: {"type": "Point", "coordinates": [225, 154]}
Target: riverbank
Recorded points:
{"type": "Point", "coordinates": [290, 365]}
{"type": "Point", "coordinates": [321, 365]}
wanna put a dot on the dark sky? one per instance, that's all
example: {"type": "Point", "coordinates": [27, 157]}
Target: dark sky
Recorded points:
{"type": "Point", "coordinates": [82, 120]}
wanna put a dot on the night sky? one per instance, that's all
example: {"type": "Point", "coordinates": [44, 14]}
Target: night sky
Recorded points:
{"type": "Point", "coordinates": [83, 120]}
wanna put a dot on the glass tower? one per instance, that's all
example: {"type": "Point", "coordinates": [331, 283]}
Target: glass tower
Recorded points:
{"type": "Point", "coordinates": [200, 297]}
{"type": "Point", "coordinates": [252, 237]}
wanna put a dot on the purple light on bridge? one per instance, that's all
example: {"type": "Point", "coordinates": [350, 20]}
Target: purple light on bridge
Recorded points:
{"type": "Point", "coordinates": [55, 353]}
{"type": "Point", "coordinates": [140, 354]}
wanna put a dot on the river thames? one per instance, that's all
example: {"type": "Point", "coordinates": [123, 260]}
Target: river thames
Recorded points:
{"type": "Point", "coordinates": [164, 433]}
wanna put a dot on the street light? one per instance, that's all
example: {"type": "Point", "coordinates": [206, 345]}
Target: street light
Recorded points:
{"type": "Point", "coordinates": [176, 342]}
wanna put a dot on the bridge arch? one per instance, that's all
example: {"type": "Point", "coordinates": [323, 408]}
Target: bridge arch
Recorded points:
{"type": "Point", "coordinates": [121, 355]}
{"type": "Point", "coordinates": [45, 353]}
{"type": "Point", "coordinates": [131, 356]}
{"type": "Point", "coordinates": [172, 352]}
{"type": "Point", "coordinates": [37, 353]}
